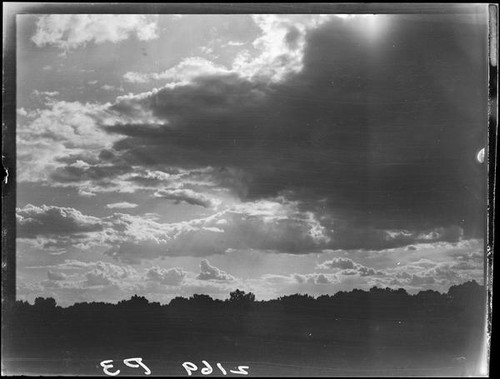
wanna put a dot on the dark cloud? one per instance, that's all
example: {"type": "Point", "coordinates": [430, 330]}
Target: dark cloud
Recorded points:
{"type": "Point", "coordinates": [368, 271]}
{"type": "Point", "coordinates": [376, 133]}
{"type": "Point", "coordinates": [73, 158]}
{"type": "Point", "coordinates": [348, 235]}
{"type": "Point", "coordinates": [185, 195]}
{"type": "Point", "coordinates": [106, 155]}
{"type": "Point", "coordinates": [84, 171]}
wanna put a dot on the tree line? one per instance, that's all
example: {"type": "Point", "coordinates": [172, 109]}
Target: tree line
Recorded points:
{"type": "Point", "coordinates": [380, 327]}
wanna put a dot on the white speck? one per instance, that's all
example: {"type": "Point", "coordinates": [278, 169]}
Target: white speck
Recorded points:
{"type": "Point", "coordinates": [480, 156]}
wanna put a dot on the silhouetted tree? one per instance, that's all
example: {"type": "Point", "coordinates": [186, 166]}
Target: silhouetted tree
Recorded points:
{"type": "Point", "coordinates": [45, 303]}
{"type": "Point", "coordinates": [201, 300]}
{"type": "Point", "coordinates": [466, 299]}
{"type": "Point", "coordinates": [178, 302]}
{"type": "Point", "coordinates": [465, 291]}
{"type": "Point", "coordinates": [241, 297]}
{"type": "Point", "coordinates": [380, 317]}
{"type": "Point", "coordinates": [135, 302]}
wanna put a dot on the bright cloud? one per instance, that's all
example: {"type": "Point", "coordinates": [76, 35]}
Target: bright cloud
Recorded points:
{"type": "Point", "coordinates": [122, 205]}
{"type": "Point", "coordinates": [50, 136]}
{"type": "Point", "coordinates": [280, 49]}
{"type": "Point", "coordinates": [348, 267]}
{"type": "Point", "coordinates": [183, 72]}
{"type": "Point", "coordinates": [53, 220]}
{"type": "Point", "coordinates": [72, 31]}
{"type": "Point", "coordinates": [209, 272]}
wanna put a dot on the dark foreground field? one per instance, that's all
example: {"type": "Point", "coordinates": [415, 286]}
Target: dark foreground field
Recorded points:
{"type": "Point", "coordinates": [360, 333]}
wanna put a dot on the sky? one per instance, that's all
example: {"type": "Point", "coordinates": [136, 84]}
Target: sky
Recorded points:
{"type": "Point", "coordinates": [167, 155]}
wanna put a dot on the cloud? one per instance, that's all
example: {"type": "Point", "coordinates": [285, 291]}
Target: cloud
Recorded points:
{"type": "Point", "coordinates": [22, 112]}
{"type": "Point", "coordinates": [44, 95]}
{"type": "Point", "coordinates": [438, 272]}
{"type": "Point", "coordinates": [342, 263]}
{"type": "Point", "coordinates": [55, 276]}
{"type": "Point", "coordinates": [348, 267]}
{"type": "Point", "coordinates": [58, 131]}
{"type": "Point", "coordinates": [107, 87]}
{"type": "Point", "coordinates": [418, 281]}
{"type": "Point", "coordinates": [96, 278]}
{"type": "Point", "coordinates": [270, 225]}
{"type": "Point", "coordinates": [94, 282]}
{"type": "Point", "coordinates": [80, 171]}
{"type": "Point", "coordinates": [279, 52]}
{"type": "Point", "coordinates": [322, 279]}
{"type": "Point", "coordinates": [266, 225]}
{"type": "Point", "coordinates": [209, 272]}
{"type": "Point", "coordinates": [150, 178]}
{"type": "Point", "coordinates": [235, 43]}
{"type": "Point", "coordinates": [53, 220]}
{"type": "Point", "coordinates": [433, 267]}
{"type": "Point", "coordinates": [322, 156]}
{"type": "Point", "coordinates": [311, 133]}
{"type": "Point", "coordinates": [171, 277]}
{"type": "Point", "coordinates": [111, 269]}
{"type": "Point", "coordinates": [185, 195]}
{"type": "Point", "coordinates": [122, 205]}
{"type": "Point", "coordinates": [184, 72]}
{"type": "Point", "coordinates": [73, 281]}
{"type": "Point", "coordinates": [281, 46]}
{"type": "Point", "coordinates": [73, 31]}
{"type": "Point", "coordinates": [469, 261]}
{"type": "Point", "coordinates": [48, 137]}
{"type": "Point", "coordinates": [315, 278]}
{"type": "Point", "coordinates": [276, 226]}
{"type": "Point", "coordinates": [104, 273]}
{"type": "Point", "coordinates": [271, 286]}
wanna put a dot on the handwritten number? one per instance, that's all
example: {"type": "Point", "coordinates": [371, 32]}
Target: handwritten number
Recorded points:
{"type": "Point", "coordinates": [107, 365]}
{"type": "Point", "coordinates": [206, 370]}
{"type": "Point", "coordinates": [138, 364]}
{"type": "Point", "coordinates": [222, 369]}
{"type": "Point", "coordinates": [189, 367]}
{"type": "Point", "coordinates": [242, 370]}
